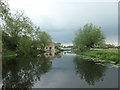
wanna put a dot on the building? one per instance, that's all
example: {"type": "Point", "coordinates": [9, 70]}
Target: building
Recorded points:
{"type": "Point", "coordinates": [66, 44]}
{"type": "Point", "coordinates": [50, 47]}
{"type": "Point", "coordinates": [50, 51]}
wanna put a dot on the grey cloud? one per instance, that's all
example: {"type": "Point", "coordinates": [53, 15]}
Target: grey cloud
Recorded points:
{"type": "Point", "coordinates": [63, 18]}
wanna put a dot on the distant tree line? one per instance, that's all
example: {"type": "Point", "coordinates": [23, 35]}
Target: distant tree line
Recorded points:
{"type": "Point", "coordinates": [19, 34]}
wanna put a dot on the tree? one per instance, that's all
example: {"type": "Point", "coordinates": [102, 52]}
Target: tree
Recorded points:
{"type": "Point", "coordinates": [24, 45]}
{"type": "Point", "coordinates": [110, 46]}
{"type": "Point", "coordinates": [13, 26]}
{"type": "Point", "coordinates": [3, 13]}
{"type": "Point", "coordinates": [88, 37]}
{"type": "Point", "coordinates": [19, 33]}
{"type": "Point", "coordinates": [4, 9]}
{"type": "Point", "coordinates": [18, 25]}
{"type": "Point", "coordinates": [44, 39]}
{"type": "Point", "coordinates": [0, 40]}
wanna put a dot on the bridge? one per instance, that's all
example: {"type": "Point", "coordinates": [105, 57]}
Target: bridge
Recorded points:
{"type": "Point", "coordinates": [65, 49]}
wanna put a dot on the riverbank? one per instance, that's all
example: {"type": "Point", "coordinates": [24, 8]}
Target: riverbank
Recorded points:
{"type": "Point", "coordinates": [109, 55]}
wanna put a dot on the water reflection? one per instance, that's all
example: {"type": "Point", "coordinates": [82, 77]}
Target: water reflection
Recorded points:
{"type": "Point", "coordinates": [89, 70]}
{"type": "Point", "coordinates": [24, 71]}
{"type": "Point", "coordinates": [31, 71]}
{"type": "Point", "coordinates": [49, 55]}
{"type": "Point", "coordinates": [67, 53]}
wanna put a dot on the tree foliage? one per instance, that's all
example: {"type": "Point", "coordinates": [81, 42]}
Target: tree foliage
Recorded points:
{"type": "Point", "coordinates": [44, 39]}
{"type": "Point", "coordinates": [88, 37]}
{"type": "Point", "coordinates": [19, 33]}
{"type": "Point", "coordinates": [4, 9]}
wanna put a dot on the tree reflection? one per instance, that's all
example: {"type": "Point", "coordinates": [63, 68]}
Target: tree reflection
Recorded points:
{"type": "Point", "coordinates": [89, 70]}
{"type": "Point", "coordinates": [24, 71]}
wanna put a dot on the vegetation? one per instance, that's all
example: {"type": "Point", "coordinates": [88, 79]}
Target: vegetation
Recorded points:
{"type": "Point", "coordinates": [58, 46]}
{"type": "Point", "coordinates": [110, 55]}
{"type": "Point", "coordinates": [19, 34]}
{"type": "Point", "coordinates": [90, 41]}
{"type": "Point", "coordinates": [110, 46]}
{"type": "Point", "coordinates": [44, 39]}
{"type": "Point", "coordinates": [88, 37]}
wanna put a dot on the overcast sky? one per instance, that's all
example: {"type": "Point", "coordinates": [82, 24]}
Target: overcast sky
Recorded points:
{"type": "Point", "coordinates": [62, 18]}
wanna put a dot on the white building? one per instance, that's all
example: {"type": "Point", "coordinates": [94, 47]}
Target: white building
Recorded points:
{"type": "Point", "coordinates": [66, 44]}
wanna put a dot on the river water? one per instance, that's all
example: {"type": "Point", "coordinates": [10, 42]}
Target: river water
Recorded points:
{"type": "Point", "coordinates": [65, 70]}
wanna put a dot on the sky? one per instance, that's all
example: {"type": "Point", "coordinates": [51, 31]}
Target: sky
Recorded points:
{"type": "Point", "coordinates": [63, 18]}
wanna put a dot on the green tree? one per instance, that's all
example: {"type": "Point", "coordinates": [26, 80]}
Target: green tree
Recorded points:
{"type": "Point", "coordinates": [110, 46]}
{"type": "Point", "coordinates": [17, 26]}
{"type": "Point", "coordinates": [4, 9]}
{"type": "Point", "coordinates": [24, 45]}
{"type": "Point", "coordinates": [19, 33]}
{"type": "Point", "coordinates": [0, 39]}
{"type": "Point", "coordinates": [88, 37]}
{"type": "Point", "coordinates": [44, 39]}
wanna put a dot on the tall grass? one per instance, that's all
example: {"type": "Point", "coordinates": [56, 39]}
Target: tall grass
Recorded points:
{"type": "Point", "coordinates": [105, 54]}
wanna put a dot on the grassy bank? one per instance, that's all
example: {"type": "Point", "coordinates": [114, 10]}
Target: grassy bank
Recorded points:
{"type": "Point", "coordinates": [110, 55]}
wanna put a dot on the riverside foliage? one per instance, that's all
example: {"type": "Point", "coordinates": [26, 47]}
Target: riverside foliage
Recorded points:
{"type": "Point", "coordinates": [90, 41]}
{"type": "Point", "coordinates": [88, 37]}
{"type": "Point", "coordinates": [19, 34]}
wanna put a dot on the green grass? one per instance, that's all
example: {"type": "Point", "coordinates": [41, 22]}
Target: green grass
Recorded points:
{"type": "Point", "coordinates": [110, 55]}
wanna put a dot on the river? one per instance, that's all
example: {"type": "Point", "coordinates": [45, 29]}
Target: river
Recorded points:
{"type": "Point", "coordinates": [66, 70]}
